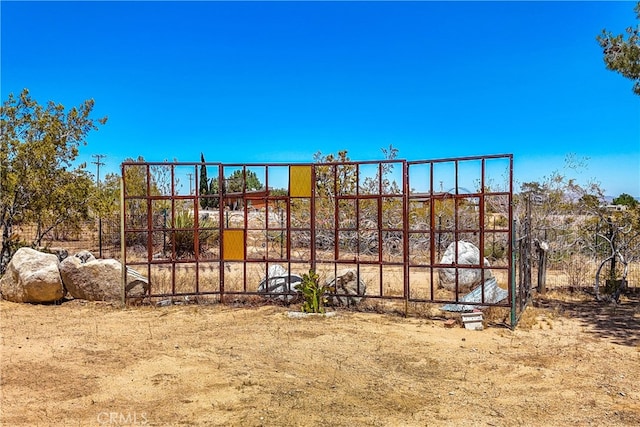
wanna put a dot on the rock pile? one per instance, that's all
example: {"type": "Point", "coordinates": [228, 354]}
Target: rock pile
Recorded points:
{"type": "Point", "coordinates": [37, 277]}
{"type": "Point", "coordinates": [280, 284]}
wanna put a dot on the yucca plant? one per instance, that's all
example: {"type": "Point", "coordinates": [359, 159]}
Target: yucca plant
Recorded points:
{"type": "Point", "coordinates": [183, 236]}
{"type": "Point", "coordinates": [313, 293]}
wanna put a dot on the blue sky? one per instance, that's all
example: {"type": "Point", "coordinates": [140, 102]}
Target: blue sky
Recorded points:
{"type": "Point", "coordinates": [251, 82]}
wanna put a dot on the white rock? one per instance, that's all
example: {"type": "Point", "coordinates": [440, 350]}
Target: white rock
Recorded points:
{"type": "Point", "coordinates": [99, 279]}
{"type": "Point", "coordinates": [32, 276]}
{"type": "Point", "coordinates": [280, 283]}
{"type": "Point", "coordinates": [468, 278]}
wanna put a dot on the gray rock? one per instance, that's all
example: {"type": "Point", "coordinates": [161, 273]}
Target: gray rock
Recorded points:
{"type": "Point", "coordinates": [32, 276]}
{"type": "Point", "coordinates": [468, 278]}
{"type": "Point", "coordinates": [349, 291]}
{"type": "Point", "coordinates": [85, 256]}
{"type": "Point", "coordinates": [137, 284]}
{"type": "Point", "coordinates": [492, 294]}
{"type": "Point", "coordinates": [280, 283]}
{"type": "Point", "coordinates": [99, 279]}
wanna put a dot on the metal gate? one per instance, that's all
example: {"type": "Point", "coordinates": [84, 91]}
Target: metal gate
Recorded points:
{"type": "Point", "coordinates": [389, 222]}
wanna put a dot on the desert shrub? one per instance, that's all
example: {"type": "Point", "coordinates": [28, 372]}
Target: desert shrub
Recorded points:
{"type": "Point", "coordinates": [183, 237]}
{"type": "Point", "coordinates": [495, 252]}
{"type": "Point", "coordinates": [578, 269]}
{"type": "Point", "coordinates": [313, 293]}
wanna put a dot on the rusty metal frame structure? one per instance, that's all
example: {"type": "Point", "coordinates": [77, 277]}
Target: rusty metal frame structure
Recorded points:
{"type": "Point", "coordinates": [383, 219]}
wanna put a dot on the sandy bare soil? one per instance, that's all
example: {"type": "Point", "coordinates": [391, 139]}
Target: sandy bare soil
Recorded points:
{"type": "Point", "coordinates": [571, 362]}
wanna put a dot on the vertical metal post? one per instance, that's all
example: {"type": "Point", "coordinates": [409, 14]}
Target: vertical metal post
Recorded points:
{"type": "Point", "coordinates": [100, 237]}
{"type": "Point", "coordinates": [123, 255]}
{"type": "Point", "coordinates": [312, 206]}
{"type": "Point", "coordinates": [405, 234]}
{"type": "Point", "coordinates": [481, 226]}
{"type": "Point", "coordinates": [432, 226]}
{"type": "Point", "coordinates": [221, 222]}
{"type": "Point", "coordinates": [512, 288]}
{"type": "Point", "coordinates": [281, 214]}
{"type": "Point", "coordinates": [196, 222]}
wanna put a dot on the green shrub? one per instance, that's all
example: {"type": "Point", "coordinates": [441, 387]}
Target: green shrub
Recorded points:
{"type": "Point", "coordinates": [313, 293]}
{"type": "Point", "coordinates": [183, 236]}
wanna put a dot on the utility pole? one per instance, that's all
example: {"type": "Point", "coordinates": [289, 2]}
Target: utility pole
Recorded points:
{"type": "Point", "coordinates": [99, 157]}
{"type": "Point", "coordinates": [190, 175]}
{"type": "Point", "coordinates": [98, 163]}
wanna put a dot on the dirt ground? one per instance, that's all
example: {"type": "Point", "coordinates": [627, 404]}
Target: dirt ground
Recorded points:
{"type": "Point", "coordinates": [571, 362]}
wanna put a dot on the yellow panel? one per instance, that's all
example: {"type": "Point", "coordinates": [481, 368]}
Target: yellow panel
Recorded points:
{"type": "Point", "coordinates": [233, 246]}
{"type": "Point", "coordinates": [299, 181]}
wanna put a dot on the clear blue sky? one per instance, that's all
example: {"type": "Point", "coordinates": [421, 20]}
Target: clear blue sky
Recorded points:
{"type": "Point", "coordinates": [279, 81]}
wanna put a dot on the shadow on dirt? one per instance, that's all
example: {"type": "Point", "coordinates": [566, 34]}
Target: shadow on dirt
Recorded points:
{"type": "Point", "coordinates": [618, 322]}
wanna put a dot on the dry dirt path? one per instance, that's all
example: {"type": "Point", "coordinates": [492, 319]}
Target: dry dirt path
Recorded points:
{"type": "Point", "coordinates": [82, 364]}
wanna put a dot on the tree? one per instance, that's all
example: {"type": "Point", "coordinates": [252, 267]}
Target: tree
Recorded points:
{"type": "Point", "coordinates": [241, 181]}
{"type": "Point", "coordinates": [623, 55]}
{"type": "Point", "coordinates": [564, 214]}
{"type": "Point", "coordinates": [345, 175]}
{"type": "Point", "coordinates": [204, 185]}
{"type": "Point", "coordinates": [106, 199]}
{"type": "Point", "coordinates": [581, 231]}
{"type": "Point", "coordinates": [67, 203]}
{"type": "Point", "coordinates": [105, 204]}
{"type": "Point", "coordinates": [625, 200]}
{"type": "Point", "coordinates": [215, 190]}
{"type": "Point", "coordinates": [39, 144]}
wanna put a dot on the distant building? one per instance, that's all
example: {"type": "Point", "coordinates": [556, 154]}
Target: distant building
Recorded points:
{"type": "Point", "coordinates": [256, 199]}
{"type": "Point", "coordinates": [618, 208]}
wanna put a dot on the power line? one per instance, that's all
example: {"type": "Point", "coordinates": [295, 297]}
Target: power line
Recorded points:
{"type": "Point", "coordinates": [98, 157]}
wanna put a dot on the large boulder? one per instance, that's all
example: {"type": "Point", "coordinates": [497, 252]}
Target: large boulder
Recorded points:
{"type": "Point", "coordinates": [32, 276]}
{"type": "Point", "coordinates": [468, 278]}
{"type": "Point", "coordinates": [349, 290]}
{"type": "Point", "coordinates": [88, 278]}
{"type": "Point", "coordinates": [279, 283]}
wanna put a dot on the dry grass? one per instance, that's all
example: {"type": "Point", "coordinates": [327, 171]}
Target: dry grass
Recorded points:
{"type": "Point", "coordinates": [570, 363]}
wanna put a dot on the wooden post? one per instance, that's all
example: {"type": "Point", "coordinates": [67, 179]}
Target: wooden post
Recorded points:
{"type": "Point", "coordinates": [541, 250]}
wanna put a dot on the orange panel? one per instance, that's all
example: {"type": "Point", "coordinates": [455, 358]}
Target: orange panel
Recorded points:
{"type": "Point", "coordinates": [299, 181]}
{"type": "Point", "coordinates": [233, 247]}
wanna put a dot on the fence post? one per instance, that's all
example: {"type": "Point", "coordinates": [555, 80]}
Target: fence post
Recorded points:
{"type": "Point", "coordinates": [541, 250]}
{"type": "Point", "coordinates": [514, 248]}
{"type": "Point", "coordinates": [123, 256]}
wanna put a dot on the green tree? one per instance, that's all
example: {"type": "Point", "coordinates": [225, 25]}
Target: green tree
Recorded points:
{"type": "Point", "coordinates": [135, 178]}
{"type": "Point", "coordinates": [623, 54]}
{"type": "Point", "coordinates": [67, 204]}
{"type": "Point", "coordinates": [625, 200]}
{"type": "Point", "coordinates": [105, 202]}
{"type": "Point", "coordinates": [338, 179]}
{"type": "Point", "coordinates": [335, 176]}
{"type": "Point", "coordinates": [204, 185]}
{"type": "Point", "coordinates": [214, 190]}
{"type": "Point", "coordinates": [241, 181]}
{"type": "Point", "coordinates": [38, 145]}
